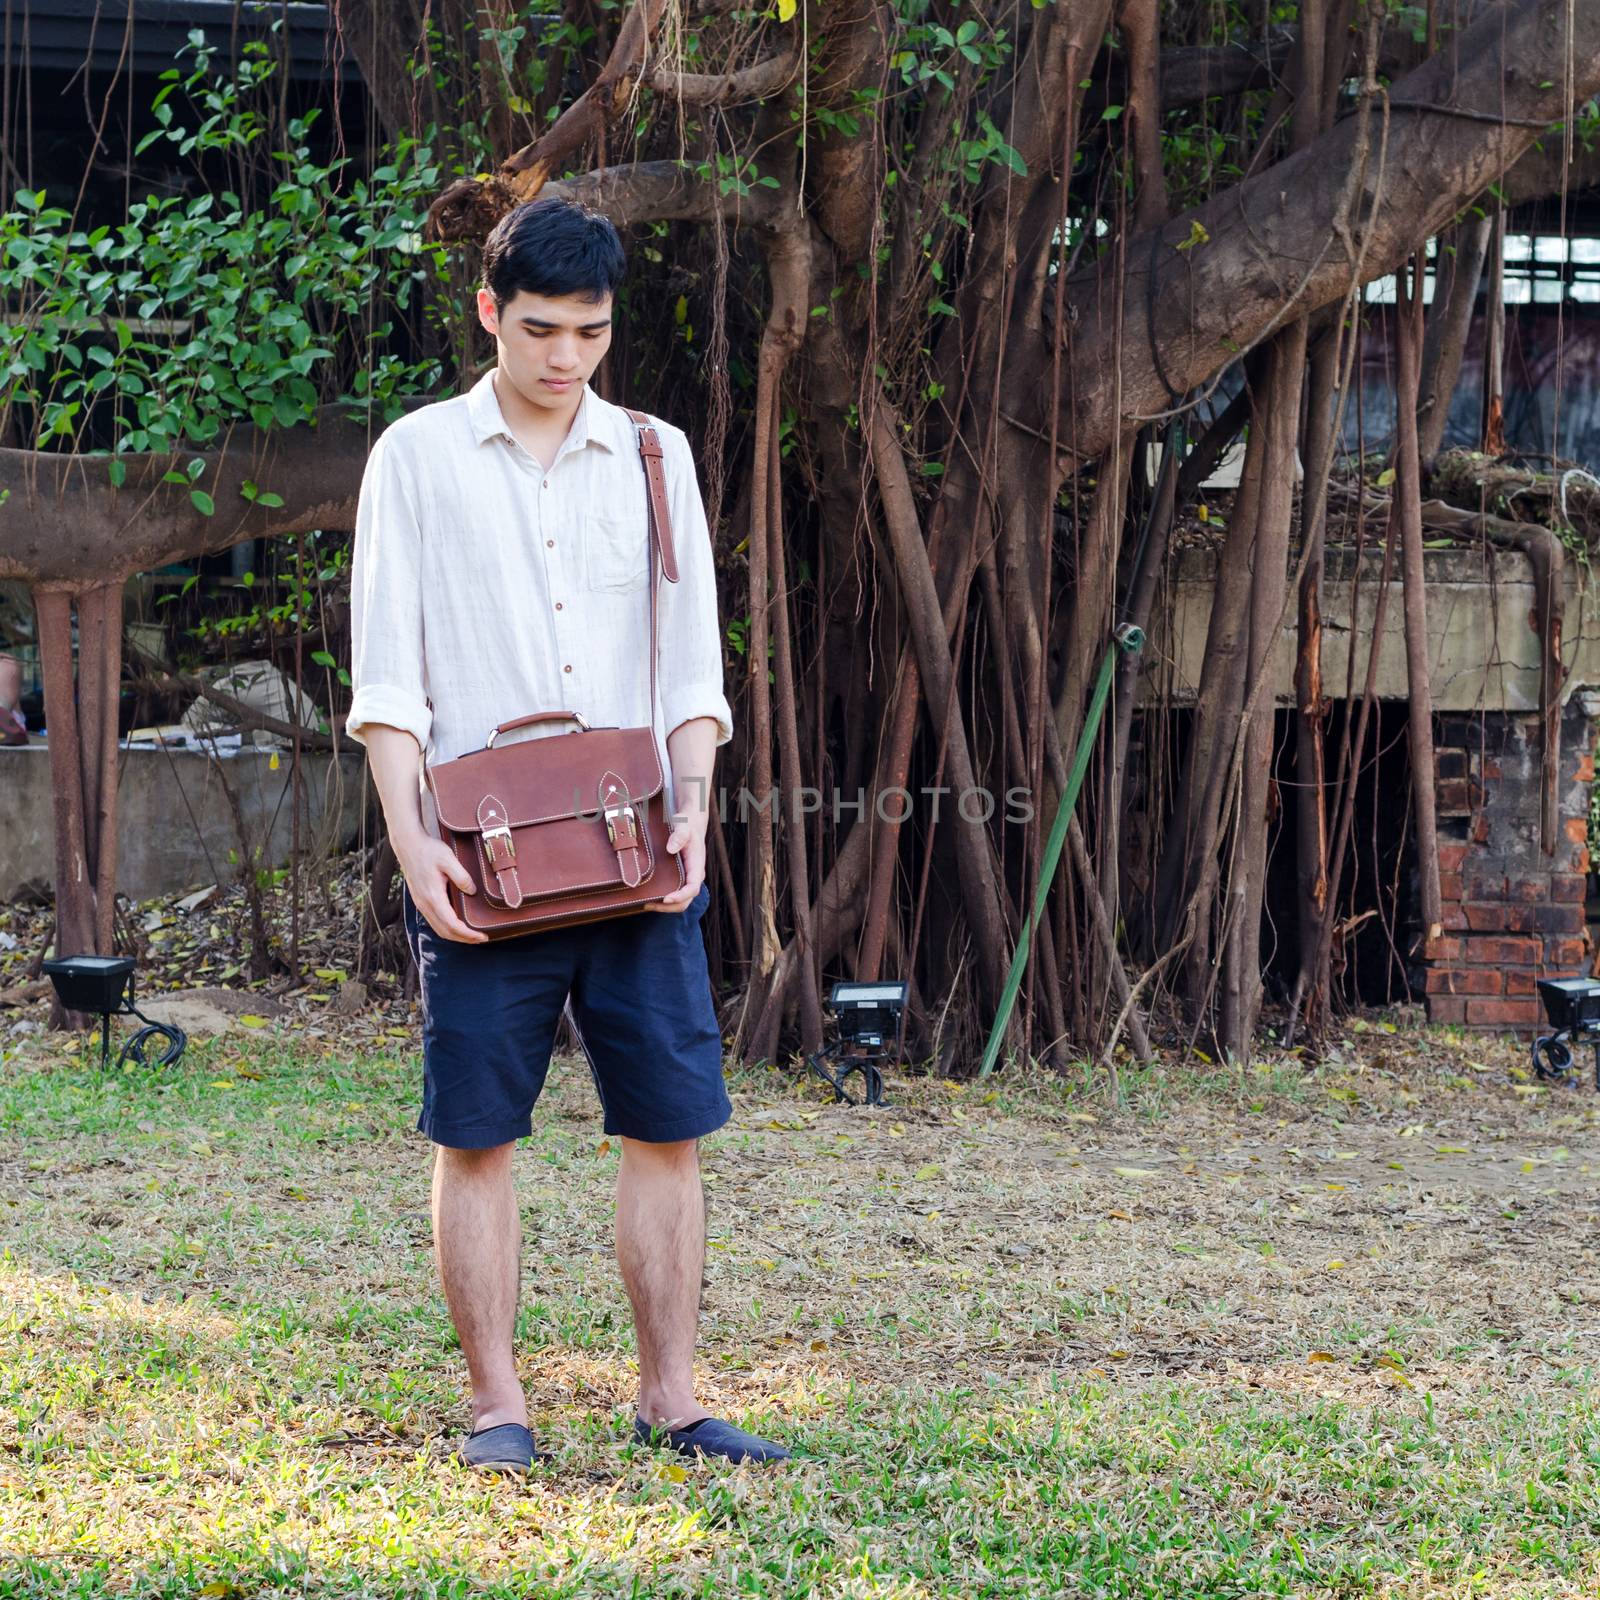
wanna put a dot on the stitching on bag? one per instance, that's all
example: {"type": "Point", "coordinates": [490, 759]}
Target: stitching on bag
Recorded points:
{"type": "Point", "coordinates": [555, 816]}
{"type": "Point", "coordinates": [576, 888]}
{"type": "Point", "coordinates": [611, 905]}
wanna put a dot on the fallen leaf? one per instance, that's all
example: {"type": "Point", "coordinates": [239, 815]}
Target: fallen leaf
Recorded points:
{"type": "Point", "coordinates": [1321, 1355]}
{"type": "Point", "coordinates": [1134, 1172]}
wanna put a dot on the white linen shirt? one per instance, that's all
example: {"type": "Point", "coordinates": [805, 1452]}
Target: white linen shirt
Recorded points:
{"type": "Point", "coordinates": [494, 586]}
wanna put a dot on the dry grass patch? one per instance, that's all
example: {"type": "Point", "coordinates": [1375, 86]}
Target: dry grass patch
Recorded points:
{"type": "Point", "coordinates": [1274, 1331]}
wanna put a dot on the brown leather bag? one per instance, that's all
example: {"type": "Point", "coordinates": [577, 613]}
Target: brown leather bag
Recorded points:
{"type": "Point", "coordinates": [572, 827]}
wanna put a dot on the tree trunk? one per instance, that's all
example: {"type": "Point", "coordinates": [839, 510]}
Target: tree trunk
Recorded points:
{"type": "Point", "coordinates": [1408, 501]}
{"type": "Point", "coordinates": [1458, 271]}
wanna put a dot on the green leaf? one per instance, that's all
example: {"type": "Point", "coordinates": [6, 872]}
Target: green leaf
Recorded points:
{"type": "Point", "coordinates": [117, 471]}
{"type": "Point", "coordinates": [203, 502]}
{"type": "Point", "coordinates": [1012, 159]}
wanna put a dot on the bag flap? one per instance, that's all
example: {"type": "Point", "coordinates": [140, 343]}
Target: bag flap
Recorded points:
{"type": "Point", "coordinates": [573, 857]}
{"type": "Point", "coordinates": [545, 779]}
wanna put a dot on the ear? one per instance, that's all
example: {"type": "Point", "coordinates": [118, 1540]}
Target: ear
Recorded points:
{"type": "Point", "coordinates": [487, 315]}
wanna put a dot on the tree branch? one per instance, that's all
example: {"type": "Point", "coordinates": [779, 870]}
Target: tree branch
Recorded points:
{"type": "Point", "coordinates": [755, 82]}
{"type": "Point", "coordinates": [656, 191]}
{"type": "Point", "coordinates": [1221, 272]}
{"type": "Point", "coordinates": [66, 527]}
{"type": "Point", "coordinates": [468, 209]}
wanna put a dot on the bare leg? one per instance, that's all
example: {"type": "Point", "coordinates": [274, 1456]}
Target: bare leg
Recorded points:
{"type": "Point", "coordinates": [477, 1240]}
{"type": "Point", "coordinates": [661, 1248]}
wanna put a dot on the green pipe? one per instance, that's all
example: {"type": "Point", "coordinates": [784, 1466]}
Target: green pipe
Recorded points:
{"type": "Point", "coordinates": [1127, 640]}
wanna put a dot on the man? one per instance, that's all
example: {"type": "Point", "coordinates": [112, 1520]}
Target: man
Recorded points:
{"type": "Point", "coordinates": [499, 569]}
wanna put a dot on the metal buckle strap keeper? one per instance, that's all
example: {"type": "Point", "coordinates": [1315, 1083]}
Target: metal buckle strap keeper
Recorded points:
{"type": "Point", "coordinates": [611, 815]}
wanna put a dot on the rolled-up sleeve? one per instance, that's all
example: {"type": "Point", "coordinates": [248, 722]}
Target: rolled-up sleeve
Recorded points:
{"type": "Point", "coordinates": [386, 670]}
{"type": "Point", "coordinates": [690, 660]}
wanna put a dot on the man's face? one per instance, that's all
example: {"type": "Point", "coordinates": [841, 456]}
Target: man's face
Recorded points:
{"type": "Point", "coordinates": [548, 347]}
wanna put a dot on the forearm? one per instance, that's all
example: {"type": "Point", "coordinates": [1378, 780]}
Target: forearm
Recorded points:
{"type": "Point", "coordinates": [394, 757]}
{"type": "Point", "coordinates": [692, 748]}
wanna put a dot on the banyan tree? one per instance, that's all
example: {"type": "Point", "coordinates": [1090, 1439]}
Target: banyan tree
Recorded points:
{"type": "Point", "coordinates": [932, 286]}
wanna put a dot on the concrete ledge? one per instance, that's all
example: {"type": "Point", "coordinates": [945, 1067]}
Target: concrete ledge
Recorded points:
{"type": "Point", "coordinates": [174, 825]}
{"type": "Point", "coordinates": [1483, 642]}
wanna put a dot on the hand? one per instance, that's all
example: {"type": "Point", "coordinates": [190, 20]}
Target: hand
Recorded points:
{"type": "Point", "coordinates": [430, 866]}
{"type": "Point", "coordinates": [687, 839]}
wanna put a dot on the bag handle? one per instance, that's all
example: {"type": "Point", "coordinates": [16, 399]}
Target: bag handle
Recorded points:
{"type": "Point", "coordinates": [532, 717]}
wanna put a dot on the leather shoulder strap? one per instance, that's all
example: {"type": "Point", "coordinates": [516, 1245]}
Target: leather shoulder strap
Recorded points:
{"type": "Point", "coordinates": [656, 482]}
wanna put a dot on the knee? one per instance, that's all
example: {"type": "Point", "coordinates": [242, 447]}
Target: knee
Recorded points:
{"type": "Point", "coordinates": [473, 1164]}
{"type": "Point", "coordinates": [681, 1154]}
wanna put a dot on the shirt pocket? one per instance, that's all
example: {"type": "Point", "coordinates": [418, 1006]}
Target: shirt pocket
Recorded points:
{"type": "Point", "coordinates": [614, 551]}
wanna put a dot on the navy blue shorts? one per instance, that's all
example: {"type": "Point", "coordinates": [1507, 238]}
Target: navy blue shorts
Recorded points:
{"type": "Point", "coordinates": [641, 1006]}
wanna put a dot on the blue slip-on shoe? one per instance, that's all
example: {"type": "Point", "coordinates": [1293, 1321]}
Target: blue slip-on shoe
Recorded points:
{"type": "Point", "coordinates": [507, 1447]}
{"type": "Point", "coordinates": [710, 1436]}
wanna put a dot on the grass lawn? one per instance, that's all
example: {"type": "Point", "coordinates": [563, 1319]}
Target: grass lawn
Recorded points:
{"type": "Point", "coordinates": [1257, 1334]}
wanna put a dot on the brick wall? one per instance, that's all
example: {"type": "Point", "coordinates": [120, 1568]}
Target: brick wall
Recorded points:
{"type": "Point", "coordinates": [1511, 912]}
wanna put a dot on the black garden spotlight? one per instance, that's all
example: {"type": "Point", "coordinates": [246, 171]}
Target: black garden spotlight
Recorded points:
{"type": "Point", "coordinates": [105, 984]}
{"type": "Point", "coordinates": [1573, 1007]}
{"type": "Point", "coordinates": [871, 1023]}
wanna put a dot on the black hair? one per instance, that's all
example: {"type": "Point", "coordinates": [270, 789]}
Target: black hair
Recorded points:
{"type": "Point", "coordinates": [552, 247]}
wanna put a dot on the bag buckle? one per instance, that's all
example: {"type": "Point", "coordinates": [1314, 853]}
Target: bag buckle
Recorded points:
{"type": "Point", "coordinates": [611, 815]}
{"type": "Point", "coordinates": [500, 832]}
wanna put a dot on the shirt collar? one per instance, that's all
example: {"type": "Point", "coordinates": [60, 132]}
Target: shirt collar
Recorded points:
{"type": "Point", "coordinates": [597, 421]}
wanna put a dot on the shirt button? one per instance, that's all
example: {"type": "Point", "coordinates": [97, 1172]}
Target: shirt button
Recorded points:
{"type": "Point", "coordinates": [545, 484]}
{"type": "Point", "coordinates": [558, 605]}
{"type": "Point", "coordinates": [550, 543]}
{"type": "Point", "coordinates": [567, 668]}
